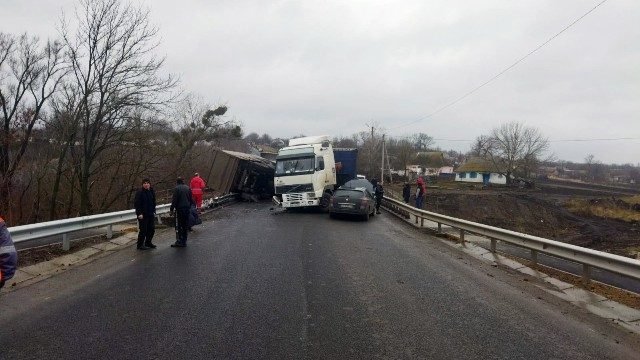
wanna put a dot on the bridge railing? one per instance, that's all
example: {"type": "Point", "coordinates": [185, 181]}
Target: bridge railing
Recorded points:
{"type": "Point", "coordinates": [587, 257]}
{"type": "Point", "coordinates": [66, 226]}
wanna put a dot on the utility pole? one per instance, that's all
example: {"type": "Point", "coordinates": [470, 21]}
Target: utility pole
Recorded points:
{"type": "Point", "coordinates": [371, 153]}
{"type": "Point", "coordinates": [382, 163]}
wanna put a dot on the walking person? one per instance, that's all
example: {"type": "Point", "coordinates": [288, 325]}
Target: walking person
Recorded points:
{"type": "Point", "coordinates": [197, 186]}
{"type": "Point", "coordinates": [181, 202]}
{"type": "Point", "coordinates": [379, 194]}
{"type": "Point", "coordinates": [8, 254]}
{"type": "Point", "coordinates": [406, 192]}
{"type": "Point", "coordinates": [145, 205]}
{"type": "Point", "coordinates": [420, 192]}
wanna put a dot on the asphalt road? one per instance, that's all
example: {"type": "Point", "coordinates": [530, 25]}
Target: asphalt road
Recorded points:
{"type": "Point", "coordinates": [256, 285]}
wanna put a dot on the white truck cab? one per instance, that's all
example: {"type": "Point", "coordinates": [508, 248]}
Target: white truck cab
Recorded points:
{"type": "Point", "coordinates": [305, 172]}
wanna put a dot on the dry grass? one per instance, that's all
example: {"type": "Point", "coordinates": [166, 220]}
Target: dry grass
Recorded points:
{"type": "Point", "coordinates": [606, 210]}
{"type": "Point", "coordinates": [633, 200]}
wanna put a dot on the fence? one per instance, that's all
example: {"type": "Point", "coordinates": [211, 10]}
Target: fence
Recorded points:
{"type": "Point", "coordinates": [64, 227]}
{"type": "Point", "coordinates": [586, 257]}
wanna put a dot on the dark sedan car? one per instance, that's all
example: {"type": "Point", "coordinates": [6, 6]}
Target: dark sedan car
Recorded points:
{"type": "Point", "coordinates": [355, 197]}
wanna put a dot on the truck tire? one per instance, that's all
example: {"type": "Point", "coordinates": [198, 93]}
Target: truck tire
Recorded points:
{"type": "Point", "coordinates": [324, 201]}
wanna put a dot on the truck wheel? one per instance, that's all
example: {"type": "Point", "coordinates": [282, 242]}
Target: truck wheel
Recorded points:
{"type": "Point", "coordinates": [324, 201]}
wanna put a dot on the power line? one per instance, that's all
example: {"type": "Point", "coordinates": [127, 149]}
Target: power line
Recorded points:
{"type": "Point", "coordinates": [558, 140]}
{"type": "Point", "coordinates": [503, 71]}
{"type": "Point", "coordinates": [611, 139]}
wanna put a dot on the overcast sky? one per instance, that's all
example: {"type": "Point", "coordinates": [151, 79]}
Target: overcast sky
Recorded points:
{"type": "Point", "coordinates": [334, 67]}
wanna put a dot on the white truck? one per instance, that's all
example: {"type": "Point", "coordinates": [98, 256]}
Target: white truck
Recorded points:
{"type": "Point", "coordinates": [305, 173]}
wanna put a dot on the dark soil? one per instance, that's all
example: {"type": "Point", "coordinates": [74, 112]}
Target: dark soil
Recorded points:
{"type": "Point", "coordinates": [531, 214]}
{"type": "Point", "coordinates": [540, 212]}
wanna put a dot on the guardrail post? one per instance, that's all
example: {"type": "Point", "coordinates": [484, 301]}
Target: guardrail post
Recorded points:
{"type": "Point", "coordinates": [534, 256]}
{"type": "Point", "coordinates": [439, 228]}
{"type": "Point", "coordinates": [159, 219]}
{"type": "Point", "coordinates": [493, 245]}
{"type": "Point", "coordinates": [66, 243]}
{"type": "Point", "coordinates": [421, 222]}
{"type": "Point", "coordinates": [109, 231]}
{"type": "Point", "coordinates": [416, 218]}
{"type": "Point", "coordinates": [462, 236]}
{"type": "Point", "coordinates": [586, 275]}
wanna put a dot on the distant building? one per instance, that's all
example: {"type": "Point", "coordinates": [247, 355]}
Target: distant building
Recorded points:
{"type": "Point", "coordinates": [479, 170]}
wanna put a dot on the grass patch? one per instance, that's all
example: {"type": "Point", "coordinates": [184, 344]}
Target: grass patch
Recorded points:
{"type": "Point", "coordinates": [606, 209]}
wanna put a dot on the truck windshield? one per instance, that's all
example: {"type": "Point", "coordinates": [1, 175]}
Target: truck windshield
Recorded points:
{"type": "Point", "coordinates": [295, 166]}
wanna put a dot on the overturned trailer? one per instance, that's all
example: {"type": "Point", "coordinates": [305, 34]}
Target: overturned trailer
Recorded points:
{"type": "Point", "coordinates": [248, 175]}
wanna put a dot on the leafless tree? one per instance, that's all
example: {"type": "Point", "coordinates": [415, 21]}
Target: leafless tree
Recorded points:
{"type": "Point", "coordinates": [482, 146]}
{"type": "Point", "coordinates": [402, 151]}
{"type": "Point", "coordinates": [195, 121]}
{"type": "Point", "coordinates": [516, 148]}
{"type": "Point", "coordinates": [116, 73]}
{"type": "Point", "coordinates": [422, 141]}
{"type": "Point", "coordinates": [29, 75]}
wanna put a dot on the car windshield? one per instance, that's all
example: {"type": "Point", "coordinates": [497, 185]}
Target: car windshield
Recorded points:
{"type": "Point", "coordinates": [295, 166]}
{"type": "Point", "coordinates": [359, 184]}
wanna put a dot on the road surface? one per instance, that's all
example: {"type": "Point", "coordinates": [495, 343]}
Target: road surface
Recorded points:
{"type": "Point", "coordinates": [257, 285]}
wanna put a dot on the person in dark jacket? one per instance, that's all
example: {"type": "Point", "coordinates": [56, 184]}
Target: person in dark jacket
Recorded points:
{"type": "Point", "coordinates": [406, 192]}
{"type": "Point", "coordinates": [8, 254]}
{"type": "Point", "coordinates": [378, 193]}
{"type": "Point", "coordinates": [181, 203]}
{"type": "Point", "coordinates": [145, 204]}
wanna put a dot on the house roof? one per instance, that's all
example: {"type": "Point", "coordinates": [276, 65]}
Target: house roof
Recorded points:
{"type": "Point", "coordinates": [477, 164]}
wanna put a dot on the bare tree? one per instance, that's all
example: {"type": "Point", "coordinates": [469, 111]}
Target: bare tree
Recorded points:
{"type": "Point", "coordinates": [403, 152]}
{"type": "Point", "coordinates": [482, 146]}
{"type": "Point", "coordinates": [115, 71]}
{"type": "Point", "coordinates": [196, 121]}
{"type": "Point", "coordinates": [29, 76]}
{"type": "Point", "coordinates": [422, 141]}
{"type": "Point", "coordinates": [515, 147]}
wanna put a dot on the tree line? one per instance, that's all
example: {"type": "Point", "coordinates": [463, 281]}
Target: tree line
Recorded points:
{"type": "Point", "coordinates": [514, 148]}
{"type": "Point", "coordinates": [87, 115]}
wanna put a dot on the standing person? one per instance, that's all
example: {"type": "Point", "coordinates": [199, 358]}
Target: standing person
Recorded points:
{"type": "Point", "coordinates": [379, 194]}
{"type": "Point", "coordinates": [197, 186]}
{"type": "Point", "coordinates": [145, 204]}
{"type": "Point", "coordinates": [420, 192]}
{"type": "Point", "coordinates": [181, 203]}
{"type": "Point", "coordinates": [406, 192]}
{"type": "Point", "coordinates": [8, 254]}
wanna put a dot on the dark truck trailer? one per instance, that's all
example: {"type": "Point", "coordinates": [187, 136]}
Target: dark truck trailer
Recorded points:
{"type": "Point", "coordinates": [346, 164]}
{"type": "Point", "coordinates": [249, 175]}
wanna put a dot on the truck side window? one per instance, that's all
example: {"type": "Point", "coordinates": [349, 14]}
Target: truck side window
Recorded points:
{"type": "Point", "coordinates": [319, 163]}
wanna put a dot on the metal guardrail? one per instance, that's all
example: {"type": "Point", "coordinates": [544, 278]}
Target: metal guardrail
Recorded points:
{"type": "Point", "coordinates": [65, 226]}
{"type": "Point", "coordinates": [587, 257]}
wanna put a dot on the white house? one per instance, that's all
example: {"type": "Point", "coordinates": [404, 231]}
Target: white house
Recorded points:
{"type": "Point", "coordinates": [479, 170]}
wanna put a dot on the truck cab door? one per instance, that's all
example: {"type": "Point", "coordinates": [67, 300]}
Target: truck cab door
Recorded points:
{"type": "Point", "coordinates": [320, 174]}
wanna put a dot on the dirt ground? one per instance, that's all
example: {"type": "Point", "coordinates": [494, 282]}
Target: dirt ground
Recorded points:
{"type": "Point", "coordinates": [540, 211]}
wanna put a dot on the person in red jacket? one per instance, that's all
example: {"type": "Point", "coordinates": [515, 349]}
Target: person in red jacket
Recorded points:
{"type": "Point", "coordinates": [420, 193]}
{"type": "Point", "coordinates": [197, 186]}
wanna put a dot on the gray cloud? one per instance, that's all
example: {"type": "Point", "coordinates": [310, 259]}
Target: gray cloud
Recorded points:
{"type": "Point", "coordinates": [330, 67]}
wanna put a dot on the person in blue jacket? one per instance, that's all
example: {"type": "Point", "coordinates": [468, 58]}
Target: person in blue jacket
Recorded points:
{"type": "Point", "coordinates": [8, 254]}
